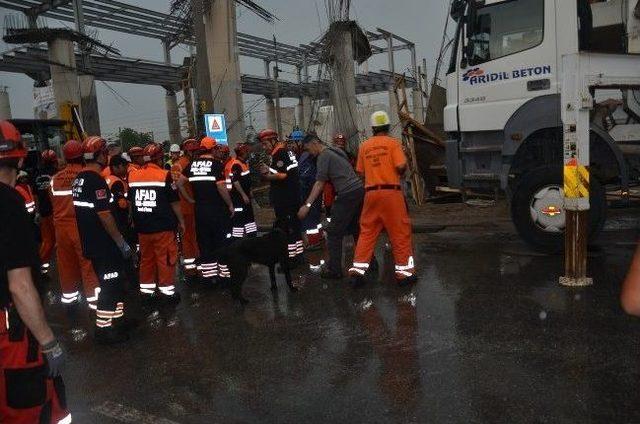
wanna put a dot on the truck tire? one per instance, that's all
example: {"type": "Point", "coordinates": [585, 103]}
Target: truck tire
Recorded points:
{"type": "Point", "coordinates": [537, 210]}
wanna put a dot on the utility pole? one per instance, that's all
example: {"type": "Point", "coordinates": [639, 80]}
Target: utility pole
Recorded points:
{"type": "Point", "coordinates": [276, 89]}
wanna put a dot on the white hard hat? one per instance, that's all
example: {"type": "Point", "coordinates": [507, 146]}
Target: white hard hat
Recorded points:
{"type": "Point", "coordinates": [174, 148]}
{"type": "Point", "coordinates": [126, 157]}
{"type": "Point", "coordinates": [380, 118]}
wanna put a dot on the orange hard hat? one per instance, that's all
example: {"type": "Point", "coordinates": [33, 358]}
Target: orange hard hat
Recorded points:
{"type": "Point", "coordinates": [136, 151]}
{"type": "Point", "coordinates": [49, 156]}
{"type": "Point", "coordinates": [93, 146]}
{"type": "Point", "coordinates": [11, 144]}
{"type": "Point", "coordinates": [72, 149]}
{"type": "Point", "coordinates": [153, 151]}
{"type": "Point", "coordinates": [208, 143]}
{"type": "Point", "coordinates": [190, 145]}
{"type": "Point", "coordinates": [267, 133]}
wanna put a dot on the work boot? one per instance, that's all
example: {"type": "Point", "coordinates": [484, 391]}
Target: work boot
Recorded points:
{"type": "Point", "coordinates": [403, 282]}
{"type": "Point", "coordinates": [126, 324]}
{"type": "Point", "coordinates": [149, 302]}
{"type": "Point", "coordinates": [373, 266]}
{"type": "Point", "coordinates": [170, 300]}
{"type": "Point", "coordinates": [72, 311]}
{"type": "Point", "coordinates": [356, 281]}
{"type": "Point", "coordinates": [110, 336]}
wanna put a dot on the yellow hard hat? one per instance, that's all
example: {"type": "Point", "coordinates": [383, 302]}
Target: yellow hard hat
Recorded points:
{"type": "Point", "coordinates": [380, 118]}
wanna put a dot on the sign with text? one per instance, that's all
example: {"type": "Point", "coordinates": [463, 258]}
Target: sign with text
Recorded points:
{"type": "Point", "coordinates": [216, 127]}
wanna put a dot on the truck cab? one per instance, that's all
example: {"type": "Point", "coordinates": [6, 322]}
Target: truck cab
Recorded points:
{"type": "Point", "coordinates": [503, 116]}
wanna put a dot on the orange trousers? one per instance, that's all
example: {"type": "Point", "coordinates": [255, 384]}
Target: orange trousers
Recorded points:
{"type": "Point", "coordinates": [189, 243]}
{"type": "Point", "coordinates": [384, 210]}
{"type": "Point", "coordinates": [158, 259]}
{"type": "Point", "coordinates": [73, 267]}
{"type": "Point", "coordinates": [48, 241]}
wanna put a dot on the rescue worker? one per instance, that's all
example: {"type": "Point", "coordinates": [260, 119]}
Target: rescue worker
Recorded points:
{"type": "Point", "coordinates": [382, 163]}
{"type": "Point", "coordinates": [156, 217]}
{"type": "Point", "coordinates": [24, 189]}
{"type": "Point", "coordinates": [238, 173]}
{"type": "Point", "coordinates": [73, 268]}
{"type": "Point", "coordinates": [31, 359]}
{"type": "Point", "coordinates": [42, 184]}
{"type": "Point", "coordinates": [329, 193]}
{"type": "Point", "coordinates": [334, 168]}
{"type": "Point", "coordinates": [174, 155]}
{"type": "Point", "coordinates": [285, 188]}
{"type": "Point", "coordinates": [113, 148]}
{"type": "Point", "coordinates": [119, 189]}
{"type": "Point", "coordinates": [102, 242]}
{"type": "Point", "coordinates": [188, 240]}
{"type": "Point", "coordinates": [213, 210]}
{"type": "Point", "coordinates": [136, 153]}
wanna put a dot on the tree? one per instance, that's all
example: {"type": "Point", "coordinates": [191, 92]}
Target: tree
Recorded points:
{"type": "Point", "coordinates": [129, 138]}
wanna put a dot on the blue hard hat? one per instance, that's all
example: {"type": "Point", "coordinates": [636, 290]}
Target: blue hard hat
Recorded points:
{"type": "Point", "coordinates": [297, 135]}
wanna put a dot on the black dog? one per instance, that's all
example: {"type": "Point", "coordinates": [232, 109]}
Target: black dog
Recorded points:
{"type": "Point", "coordinates": [269, 250]}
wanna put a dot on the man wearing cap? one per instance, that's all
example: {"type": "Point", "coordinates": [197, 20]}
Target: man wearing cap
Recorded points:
{"type": "Point", "coordinates": [334, 168]}
{"type": "Point", "coordinates": [382, 163]}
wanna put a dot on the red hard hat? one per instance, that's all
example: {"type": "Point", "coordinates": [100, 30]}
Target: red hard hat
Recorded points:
{"type": "Point", "coordinates": [11, 144]}
{"type": "Point", "coordinates": [92, 146]}
{"type": "Point", "coordinates": [242, 149]}
{"type": "Point", "coordinates": [208, 143]}
{"type": "Point", "coordinates": [190, 145]}
{"type": "Point", "coordinates": [340, 140]}
{"type": "Point", "coordinates": [267, 133]}
{"type": "Point", "coordinates": [72, 149]}
{"type": "Point", "coordinates": [153, 151]}
{"type": "Point", "coordinates": [49, 156]}
{"type": "Point", "coordinates": [136, 151]}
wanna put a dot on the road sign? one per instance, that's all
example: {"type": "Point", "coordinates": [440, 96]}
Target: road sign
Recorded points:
{"type": "Point", "coordinates": [216, 127]}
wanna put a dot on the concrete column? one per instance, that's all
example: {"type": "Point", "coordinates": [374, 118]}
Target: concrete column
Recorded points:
{"type": "Point", "coordinates": [270, 107]}
{"type": "Point", "coordinates": [64, 76]}
{"type": "Point", "coordinates": [89, 104]}
{"type": "Point", "coordinates": [172, 117]}
{"type": "Point", "coordinates": [418, 110]}
{"type": "Point", "coordinates": [5, 106]}
{"type": "Point", "coordinates": [224, 66]}
{"type": "Point", "coordinates": [343, 86]}
{"type": "Point", "coordinates": [202, 79]}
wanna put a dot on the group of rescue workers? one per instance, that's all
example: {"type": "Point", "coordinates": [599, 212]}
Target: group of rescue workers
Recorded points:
{"type": "Point", "coordinates": [106, 214]}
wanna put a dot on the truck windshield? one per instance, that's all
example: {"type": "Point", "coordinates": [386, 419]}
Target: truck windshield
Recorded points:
{"type": "Point", "coordinates": [502, 29]}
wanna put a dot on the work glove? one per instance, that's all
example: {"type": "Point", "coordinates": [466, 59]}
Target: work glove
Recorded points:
{"type": "Point", "coordinates": [56, 358]}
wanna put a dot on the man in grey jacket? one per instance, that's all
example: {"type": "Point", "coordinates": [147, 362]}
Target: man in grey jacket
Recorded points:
{"type": "Point", "coordinates": [333, 166]}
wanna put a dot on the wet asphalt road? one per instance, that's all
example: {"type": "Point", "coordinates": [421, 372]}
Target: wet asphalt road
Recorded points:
{"type": "Point", "coordinates": [487, 335]}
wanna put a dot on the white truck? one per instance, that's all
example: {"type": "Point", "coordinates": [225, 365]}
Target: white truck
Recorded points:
{"type": "Point", "coordinates": [503, 113]}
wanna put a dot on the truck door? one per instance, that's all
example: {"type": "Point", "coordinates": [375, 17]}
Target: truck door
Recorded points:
{"type": "Point", "coordinates": [510, 58]}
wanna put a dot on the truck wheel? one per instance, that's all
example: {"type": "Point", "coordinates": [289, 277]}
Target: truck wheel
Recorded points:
{"type": "Point", "coordinates": [538, 213]}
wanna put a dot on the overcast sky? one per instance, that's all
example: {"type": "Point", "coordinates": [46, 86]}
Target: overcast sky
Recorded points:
{"type": "Point", "coordinates": [301, 21]}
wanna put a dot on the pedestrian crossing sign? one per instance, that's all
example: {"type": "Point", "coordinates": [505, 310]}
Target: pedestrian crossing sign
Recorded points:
{"type": "Point", "coordinates": [216, 127]}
